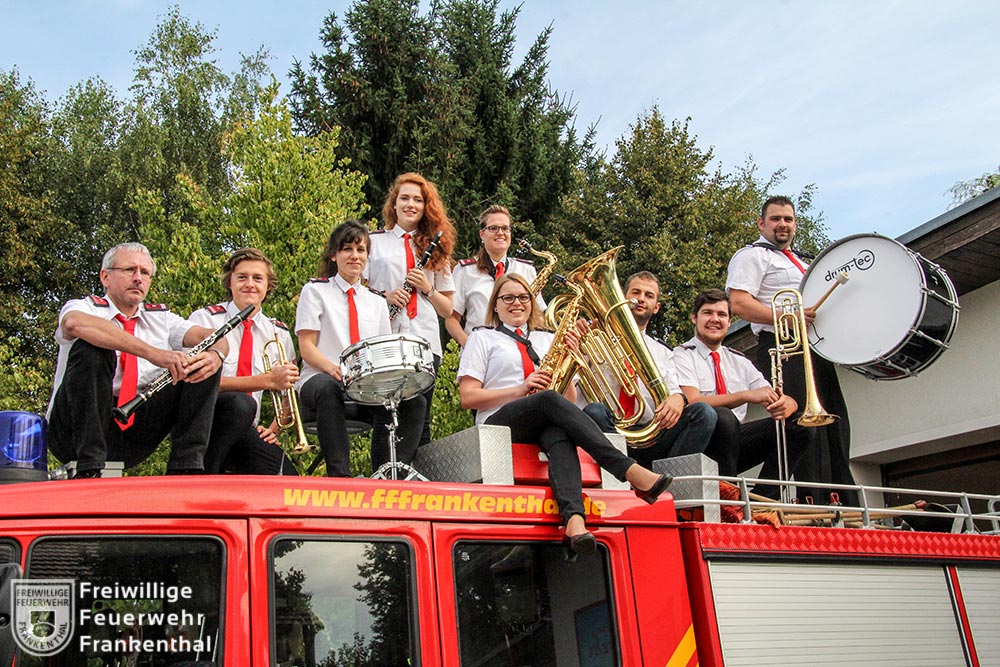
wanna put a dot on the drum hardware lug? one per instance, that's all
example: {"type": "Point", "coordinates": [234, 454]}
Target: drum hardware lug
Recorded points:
{"type": "Point", "coordinates": [921, 334]}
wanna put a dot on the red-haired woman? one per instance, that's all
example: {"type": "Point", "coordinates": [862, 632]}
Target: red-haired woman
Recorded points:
{"type": "Point", "coordinates": [414, 213]}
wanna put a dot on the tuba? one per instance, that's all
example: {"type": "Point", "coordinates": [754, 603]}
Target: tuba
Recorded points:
{"type": "Point", "coordinates": [614, 340]}
{"type": "Point", "coordinates": [286, 404]}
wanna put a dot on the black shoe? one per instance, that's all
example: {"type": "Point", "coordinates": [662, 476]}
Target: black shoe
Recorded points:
{"type": "Point", "coordinates": [659, 486]}
{"type": "Point", "coordinates": [584, 544]}
{"type": "Point", "coordinates": [90, 473]}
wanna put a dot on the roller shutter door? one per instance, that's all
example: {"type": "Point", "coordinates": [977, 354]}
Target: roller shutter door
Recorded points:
{"type": "Point", "coordinates": [981, 590]}
{"type": "Point", "coordinates": [831, 614]}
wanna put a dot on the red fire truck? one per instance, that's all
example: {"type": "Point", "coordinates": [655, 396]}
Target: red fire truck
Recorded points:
{"type": "Point", "coordinates": [252, 571]}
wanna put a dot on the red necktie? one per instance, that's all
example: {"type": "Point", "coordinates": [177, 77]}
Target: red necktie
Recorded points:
{"type": "Point", "coordinates": [411, 306]}
{"type": "Point", "coordinates": [130, 372]}
{"type": "Point", "coordinates": [627, 401]}
{"type": "Point", "coordinates": [526, 363]}
{"type": "Point", "coordinates": [352, 312]}
{"type": "Point", "coordinates": [795, 260]}
{"type": "Point", "coordinates": [499, 270]}
{"type": "Point", "coordinates": [720, 382]}
{"type": "Point", "coordinates": [244, 366]}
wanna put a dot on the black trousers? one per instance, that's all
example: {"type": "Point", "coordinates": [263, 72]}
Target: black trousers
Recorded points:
{"type": "Point", "coordinates": [692, 434]}
{"type": "Point", "coordinates": [324, 400]}
{"type": "Point", "coordinates": [549, 420]}
{"type": "Point", "coordinates": [740, 447]}
{"type": "Point", "coordinates": [829, 460]}
{"type": "Point", "coordinates": [236, 446]}
{"type": "Point", "coordinates": [81, 426]}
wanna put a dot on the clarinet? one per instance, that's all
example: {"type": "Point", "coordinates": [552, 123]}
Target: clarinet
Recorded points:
{"type": "Point", "coordinates": [426, 257]}
{"type": "Point", "coordinates": [123, 412]}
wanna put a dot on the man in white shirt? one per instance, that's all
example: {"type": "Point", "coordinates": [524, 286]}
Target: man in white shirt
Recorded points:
{"type": "Point", "coordinates": [110, 349]}
{"type": "Point", "coordinates": [687, 428]}
{"type": "Point", "coordinates": [238, 443]}
{"type": "Point", "coordinates": [756, 273]}
{"type": "Point", "coordinates": [724, 378]}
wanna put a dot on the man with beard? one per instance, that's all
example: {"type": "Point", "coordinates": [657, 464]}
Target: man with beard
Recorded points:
{"type": "Point", "coordinates": [687, 428]}
{"type": "Point", "coordinates": [709, 371]}
{"type": "Point", "coordinates": [756, 273]}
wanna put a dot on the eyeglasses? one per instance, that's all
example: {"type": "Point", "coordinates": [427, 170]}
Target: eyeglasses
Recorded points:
{"type": "Point", "coordinates": [144, 273]}
{"type": "Point", "coordinates": [496, 229]}
{"type": "Point", "coordinates": [510, 298]}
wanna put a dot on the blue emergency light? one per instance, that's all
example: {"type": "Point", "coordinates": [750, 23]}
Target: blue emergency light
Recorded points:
{"type": "Point", "coordinates": [23, 447]}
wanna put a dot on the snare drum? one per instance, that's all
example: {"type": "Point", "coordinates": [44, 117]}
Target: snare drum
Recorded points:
{"type": "Point", "coordinates": [894, 316]}
{"type": "Point", "coordinates": [381, 367]}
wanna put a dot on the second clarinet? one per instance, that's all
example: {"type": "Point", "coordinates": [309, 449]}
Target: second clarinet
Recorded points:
{"type": "Point", "coordinates": [426, 257]}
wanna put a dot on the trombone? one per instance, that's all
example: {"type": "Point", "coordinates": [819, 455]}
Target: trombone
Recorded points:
{"type": "Point", "coordinates": [286, 404]}
{"type": "Point", "coordinates": [791, 339]}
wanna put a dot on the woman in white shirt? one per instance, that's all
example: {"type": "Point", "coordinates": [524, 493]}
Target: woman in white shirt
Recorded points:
{"type": "Point", "coordinates": [498, 376]}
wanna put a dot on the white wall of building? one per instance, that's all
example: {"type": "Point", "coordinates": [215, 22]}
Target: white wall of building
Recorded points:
{"type": "Point", "coordinates": [953, 403]}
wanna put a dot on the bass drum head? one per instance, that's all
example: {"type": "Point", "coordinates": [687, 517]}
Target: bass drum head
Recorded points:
{"type": "Point", "coordinates": [870, 316]}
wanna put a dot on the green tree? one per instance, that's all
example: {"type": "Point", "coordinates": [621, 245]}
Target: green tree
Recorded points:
{"type": "Point", "coordinates": [659, 198]}
{"type": "Point", "coordinates": [439, 93]}
{"type": "Point", "coordinates": [963, 191]}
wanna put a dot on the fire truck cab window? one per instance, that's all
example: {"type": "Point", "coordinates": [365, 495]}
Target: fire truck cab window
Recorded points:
{"type": "Point", "coordinates": [9, 553]}
{"type": "Point", "coordinates": [347, 603]}
{"type": "Point", "coordinates": [148, 602]}
{"type": "Point", "coordinates": [523, 604]}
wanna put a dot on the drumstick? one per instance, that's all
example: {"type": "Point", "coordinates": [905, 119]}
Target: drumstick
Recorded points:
{"type": "Point", "coordinates": [841, 279]}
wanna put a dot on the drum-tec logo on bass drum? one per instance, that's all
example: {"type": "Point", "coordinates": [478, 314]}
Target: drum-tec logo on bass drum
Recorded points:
{"type": "Point", "coordinates": [864, 260]}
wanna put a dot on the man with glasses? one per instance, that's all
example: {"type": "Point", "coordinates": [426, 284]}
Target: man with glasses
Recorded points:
{"type": "Point", "coordinates": [110, 348]}
{"type": "Point", "coordinates": [474, 277]}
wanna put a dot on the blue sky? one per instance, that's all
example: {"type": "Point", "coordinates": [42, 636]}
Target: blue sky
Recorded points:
{"type": "Point", "coordinates": [882, 104]}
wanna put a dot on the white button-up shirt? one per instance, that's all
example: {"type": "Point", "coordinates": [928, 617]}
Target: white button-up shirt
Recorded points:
{"type": "Point", "coordinates": [323, 308]}
{"type": "Point", "coordinates": [762, 273]}
{"type": "Point", "coordinates": [695, 368]}
{"type": "Point", "coordinates": [473, 289]}
{"type": "Point", "coordinates": [262, 328]}
{"type": "Point", "coordinates": [156, 326]}
{"type": "Point", "coordinates": [386, 271]}
{"type": "Point", "coordinates": [494, 359]}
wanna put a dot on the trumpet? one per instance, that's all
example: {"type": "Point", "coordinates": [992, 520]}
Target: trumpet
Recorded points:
{"type": "Point", "coordinates": [286, 404]}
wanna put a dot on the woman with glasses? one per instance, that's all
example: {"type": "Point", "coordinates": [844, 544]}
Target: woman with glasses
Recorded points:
{"type": "Point", "coordinates": [474, 277]}
{"type": "Point", "coordinates": [499, 377]}
{"type": "Point", "coordinates": [414, 213]}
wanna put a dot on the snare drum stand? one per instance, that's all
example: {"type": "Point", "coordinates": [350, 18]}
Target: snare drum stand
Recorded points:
{"type": "Point", "coordinates": [390, 469]}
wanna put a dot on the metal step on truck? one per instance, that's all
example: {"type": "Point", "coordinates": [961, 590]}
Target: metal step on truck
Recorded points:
{"type": "Point", "coordinates": [316, 572]}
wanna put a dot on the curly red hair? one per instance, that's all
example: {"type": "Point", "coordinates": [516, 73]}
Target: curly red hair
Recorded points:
{"type": "Point", "coordinates": [435, 219]}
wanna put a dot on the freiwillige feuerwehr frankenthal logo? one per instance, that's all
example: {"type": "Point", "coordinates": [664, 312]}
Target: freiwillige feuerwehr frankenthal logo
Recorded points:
{"type": "Point", "coordinates": [43, 611]}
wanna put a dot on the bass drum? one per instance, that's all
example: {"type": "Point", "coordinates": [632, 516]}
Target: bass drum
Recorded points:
{"type": "Point", "coordinates": [894, 316]}
{"type": "Point", "coordinates": [383, 367]}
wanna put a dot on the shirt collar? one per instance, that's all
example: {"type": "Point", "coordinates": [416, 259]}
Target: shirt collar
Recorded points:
{"type": "Point", "coordinates": [344, 285]}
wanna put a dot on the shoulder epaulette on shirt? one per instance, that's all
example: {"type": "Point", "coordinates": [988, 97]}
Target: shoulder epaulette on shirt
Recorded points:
{"type": "Point", "coordinates": [280, 324]}
{"type": "Point", "coordinates": [217, 309]}
{"type": "Point", "coordinates": [736, 352]}
{"type": "Point", "coordinates": [688, 346]}
{"type": "Point", "coordinates": [482, 326]}
{"type": "Point", "coordinates": [804, 255]}
{"type": "Point", "coordinates": [157, 307]}
{"type": "Point", "coordinates": [319, 280]}
{"type": "Point", "coordinates": [661, 342]}
{"type": "Point", "coordinates": [467, 261]}
{"type": "Point", "coordinates": [377, 231]}
{"type": "Point", "coordinates": [99, 301]}
{"type": "Point", "coordinates": [523, 261]}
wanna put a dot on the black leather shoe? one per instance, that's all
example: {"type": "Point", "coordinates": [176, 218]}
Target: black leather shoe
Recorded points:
{"type": "Point", "coordinates": [92, 473]}
{"type": "Point", "coordinates": [659, 486]}
{"type": "Point", "coordinates": [583, 544]}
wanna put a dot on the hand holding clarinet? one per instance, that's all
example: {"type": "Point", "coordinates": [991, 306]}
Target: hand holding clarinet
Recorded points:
{"type": "Point", "coordinates": [409, 286]}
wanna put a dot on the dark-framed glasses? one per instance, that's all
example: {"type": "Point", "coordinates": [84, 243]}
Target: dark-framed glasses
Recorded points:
{"type": "Point", "coordinates": [510, 298]}
{"type": "Point", "coordinates": [496, 229]}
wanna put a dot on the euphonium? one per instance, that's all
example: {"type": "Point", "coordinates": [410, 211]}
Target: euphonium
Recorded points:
{"type": "Point", "coordinates": [791, 339]}
{"type": "Point", "coordinates": [543, 276]}
{"type": "Point", "coordinates": [614, 340]}
{"type": "Point", "coordinates": [286, 404]}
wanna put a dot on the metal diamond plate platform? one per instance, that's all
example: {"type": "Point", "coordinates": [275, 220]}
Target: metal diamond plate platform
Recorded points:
{"type": "Point", "coordinates": [697, 465]}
